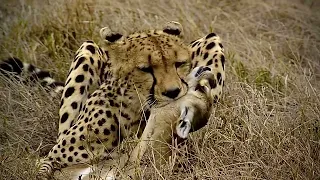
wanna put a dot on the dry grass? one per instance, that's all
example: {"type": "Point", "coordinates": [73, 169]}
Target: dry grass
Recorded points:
{"type": "Point", "coordinates": [266, 126]}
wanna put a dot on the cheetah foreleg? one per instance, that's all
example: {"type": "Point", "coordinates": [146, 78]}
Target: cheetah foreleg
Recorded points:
{"type": "Point", "coordinates": [198, 77]}
{"type": "Point", "coordinates": [185, 119]}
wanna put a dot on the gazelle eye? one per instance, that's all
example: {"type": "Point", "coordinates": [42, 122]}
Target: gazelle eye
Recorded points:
{"type": "Point", "coordinates": [179, 64]}
{"type": "Point", "coordinates": [145, 69]}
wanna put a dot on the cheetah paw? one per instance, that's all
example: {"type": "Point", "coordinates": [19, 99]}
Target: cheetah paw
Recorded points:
{"type": "Point", "coordinates": [184, 126]}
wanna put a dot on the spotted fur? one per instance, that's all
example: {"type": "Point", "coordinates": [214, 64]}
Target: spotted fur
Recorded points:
{"type": "Point", "coordinates": [110, 89]}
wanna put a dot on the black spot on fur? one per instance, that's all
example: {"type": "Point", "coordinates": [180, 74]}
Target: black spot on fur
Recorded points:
{"type": "Point", "coordinates": [70, 159]}
{"type": "Point", "coordinates": [82, 88]}
{"type": "Point", "coordinates": [210, 45]}
{"type": "Point", "coordinates": [91, 72]}
{"type": "Point", "coordinates": [111, 102]}
{"type": "Point", "coordinates": [68, 80]}
{"type": "Point", "coordinates": [91, 49]}
{"type": "Point", "coordinates": [205, 55]}
{"type": "Point", "coordinates": [106, 132]}
{"type": "Point", "coordinates": [74, 105]}
{"type": "Point", "coordinates": [210, 35]}
{"type": "Point", "coordinates": [192, 55]}
{"type": "Point", "coordinates": [101, 122]}
{"type": "Point", "coordinates": [99, 64]}
{"type": "Point", "coordinates": [64, 117]}
{"type": "Point", "coordinates": [80, 78]}
{"type": "Point", "coordinates": [101, 102]}
{"type": "Point", "coordinates": [113, 37]}
{"type": "Point", "coordinates": [69, 92]}
{"type": "Point", "coordinates": [81, 148]}
{"type": "Point", "coordinates": [108, 113]}
{"type": "Point", "coordinates": [198, 51]}
{"type": "Point", "coordinates": [209, 62]}
{"type": "Point", "coordinates": [72, 140]}
{"type": "Point", "coordinates": [71, 148]}
{"type": "Point", "coordinates": [84, 155]}
{"type": "Point", "coordinates": [115, 118]}
{"type": "Point", "coordinates": [175, 32]}
{"type": "Point", "coordinates": [194, 44]}
{"type": "Point", "coordinates": [91, 60]}
{"type": "Point", "coordinates": [222, 61]}
{"type": "Point", "coordinates": [80, 61]}
{"type": "Point", "coordinates": [85, 67]}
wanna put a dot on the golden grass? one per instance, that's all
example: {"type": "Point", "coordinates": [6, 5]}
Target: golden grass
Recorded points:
{"type": "Point", "coordinates": [265, 127]}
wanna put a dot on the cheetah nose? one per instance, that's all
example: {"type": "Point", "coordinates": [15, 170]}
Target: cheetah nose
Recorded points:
{"type": "Point", "coordinates": [172, 93]}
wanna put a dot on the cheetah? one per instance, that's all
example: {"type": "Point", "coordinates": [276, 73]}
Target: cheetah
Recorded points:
{"type": "Point", "coordinates": [133, 73]}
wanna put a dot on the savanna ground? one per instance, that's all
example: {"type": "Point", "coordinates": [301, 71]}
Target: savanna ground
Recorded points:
{"type": "Point", "coordinates": [267, 126]}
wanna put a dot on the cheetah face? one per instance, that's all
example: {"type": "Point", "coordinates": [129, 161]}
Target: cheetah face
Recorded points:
{"type": "Point", "coordinates": [161, 69]}
{"type": "Point", "coordinates": [157, 62]}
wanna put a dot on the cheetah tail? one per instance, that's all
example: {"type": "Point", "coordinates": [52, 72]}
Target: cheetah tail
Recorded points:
{"type": "Point", "coordinates": [14, 68]}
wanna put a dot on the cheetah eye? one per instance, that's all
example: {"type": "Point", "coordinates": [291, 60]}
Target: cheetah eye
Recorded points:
{"type": "Point", "coordinates": [145, 69]}
{"type": "Point", "coordinates": [179, 64]}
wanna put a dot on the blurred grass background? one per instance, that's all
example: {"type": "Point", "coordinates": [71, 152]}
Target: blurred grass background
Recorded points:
{"type": "Point", "coordinates": [265, 127]}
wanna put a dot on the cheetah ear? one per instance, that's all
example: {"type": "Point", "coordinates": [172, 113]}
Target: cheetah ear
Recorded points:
{"type": "Point", "coordinates": [173, 28]}
{"type": "Point", "coordinates": [110, 36]}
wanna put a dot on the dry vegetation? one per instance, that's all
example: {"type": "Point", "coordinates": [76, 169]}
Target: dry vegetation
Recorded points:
{"type": "Point", "coordinates": [266, 127]}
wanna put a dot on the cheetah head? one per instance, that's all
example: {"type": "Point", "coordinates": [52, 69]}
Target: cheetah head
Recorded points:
{"type": "Point", "coordinates": [156, 61]}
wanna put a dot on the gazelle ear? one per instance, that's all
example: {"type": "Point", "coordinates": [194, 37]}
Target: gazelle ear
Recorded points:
{"type": "Point", "coordinates": [173, 28]}
{"type": "Point", "coordinates": [110, 36]}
